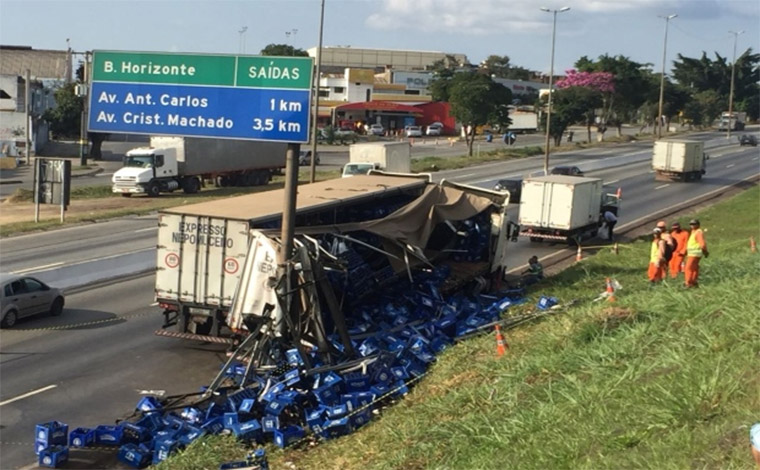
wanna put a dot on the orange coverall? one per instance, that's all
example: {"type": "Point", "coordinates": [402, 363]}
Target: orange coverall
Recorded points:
{"type": "Point", "coordinates": [681, 237]}
{"type": "Point", "coordinates": [695, 249]}
{"type": "Point", "coordinates": [656, 270]}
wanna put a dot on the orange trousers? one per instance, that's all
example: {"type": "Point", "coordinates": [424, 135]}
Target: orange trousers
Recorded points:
{"type": "Point", "coordinates": [655, 273]}
{"type": "Point", "coordinates": [691, 271]}
{"type": "Point", "coordinates": [675, 265]}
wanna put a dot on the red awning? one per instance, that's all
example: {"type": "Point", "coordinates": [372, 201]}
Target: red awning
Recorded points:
{"type": "Point", "coordinates": [380, 106]}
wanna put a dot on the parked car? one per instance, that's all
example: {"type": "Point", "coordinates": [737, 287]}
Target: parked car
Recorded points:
{"type": "Point", "coordinates": [748, 139]}
{"type": "Point", "coordinates": [514, 186]}
{"type": "Point", "coordinates": [568, 170]}
{"type": "Point", "coordinates": [304, 158]}
{"type": "Point", "coordinates": [435, 128]}
{"type": "Point", "coordinates": [22, 296]}
{"type": "Point", "coordinates": [413, 131]}
{"type": "Point", "coordinates": [377, 129]}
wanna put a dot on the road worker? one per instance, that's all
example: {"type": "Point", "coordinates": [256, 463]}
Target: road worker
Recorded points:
{"type": "Point", "coordinates": [696, 248]}
{"type": "Point", "coordinates": [656, 257]}
{"type": "Point", "coordinates": [681, 237]}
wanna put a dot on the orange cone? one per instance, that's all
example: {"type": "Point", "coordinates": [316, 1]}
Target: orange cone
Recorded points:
{"type": "Point", "coordinates": [619, 193]}
{"type": "Point", "coordinates": [752, 245]}
{"type": "Point", "coordinates": [579, 254]}
{"type": "Point", "coordinates": [501, 345]}
{"type": "Point", "coordinates": [610, 291]}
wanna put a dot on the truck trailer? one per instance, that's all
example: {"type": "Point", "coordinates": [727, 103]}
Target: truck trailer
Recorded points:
{"type": "Point", "coordinates": [393, 157]}
{"type": "Point", "coordinates": [523, 122]}
{"type": "Point", "coordinates": [563, 208]}
{"type": "Point", "coordinates": [679, 160]}
{"type": "Point", "coordinates": [172, 163]}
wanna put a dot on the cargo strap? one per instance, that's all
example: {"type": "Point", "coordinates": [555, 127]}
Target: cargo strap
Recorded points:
{"type": "Point", "coordinates": [192, 336]}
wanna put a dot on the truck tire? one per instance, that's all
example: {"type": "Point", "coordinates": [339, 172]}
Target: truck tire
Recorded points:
{"type": "Point", "coordinates": [191, 185]}
{"type": "Point", "coordinates": [153, 190]}
{"type": "Point", "coordinates": [126, 194]}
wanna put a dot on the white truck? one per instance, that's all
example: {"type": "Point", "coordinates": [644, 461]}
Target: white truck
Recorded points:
{"type": "Point", "coordinates": [172, 163]}
{"type": "Point", "coordinates": [734, 121]}
{"type": "Point", "coordinates": [679, 160]}
{"type": "Point", "coordinates": [202, 247]}
{"type": "Point", "coordinates": [392, 157]}
{"type": "Point", "coordinates": [523, 122]}
{"type": "Point", "coordinates": [563, 208]}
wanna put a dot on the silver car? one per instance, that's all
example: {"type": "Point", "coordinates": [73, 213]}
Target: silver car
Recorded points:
{"type": "Point", "coordinates": [22, 296]}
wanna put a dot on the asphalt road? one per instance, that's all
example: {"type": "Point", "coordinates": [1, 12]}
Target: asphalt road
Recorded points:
{"type": "Point", "coordinates": [92, 374]}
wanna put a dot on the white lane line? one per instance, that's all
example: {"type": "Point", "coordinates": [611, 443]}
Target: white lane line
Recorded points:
{"type": "Point", "coordinates": [662, 186]}
{"type": "Point", "coordinates": [755, 158]}
{"type": "Point", "coordinates": [27, 395]}
{"type": "Point", "coordinates": [612, 182]}
{"type": "Point", "coordinates": [145, 229]}
{"type": "Point", "coordinates": [729, 166]}
{"type": "Point", "coordinates": [153, 304]}
{"type": "Point", "coordinates": [467, 175]}
{"type": "Point", "coordinates": [100, 175]}
{"type": "Point", "coordinates": [37, 268]}
{"type": "Point", "coordinates": [651, 171]}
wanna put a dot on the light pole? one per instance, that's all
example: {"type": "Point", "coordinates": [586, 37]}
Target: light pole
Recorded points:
{"type": "Point", "coordinates": [551, 80]}
{"type": "Point", "coordinates": [317, 73]}
{"type": "Point", "coordinates": [662, 78]}
{"type": "Point", "coordinates": [287, 35]}
{"type": "Point", "coordinates": [241, 41]}
{"type": "Point", "coordinates": [731, 93]}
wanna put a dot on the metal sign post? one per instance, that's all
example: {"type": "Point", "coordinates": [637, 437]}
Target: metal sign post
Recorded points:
{"type": "Point", "coordinates": [52, 184]}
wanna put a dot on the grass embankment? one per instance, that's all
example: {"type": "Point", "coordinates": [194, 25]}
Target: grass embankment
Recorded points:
{"type": "Point", "coordinates": [663, 378]}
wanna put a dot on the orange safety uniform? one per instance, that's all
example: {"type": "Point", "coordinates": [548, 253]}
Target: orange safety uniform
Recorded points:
{"type": "Point", "coordinates": [676, 262]}
{"type": "Point", "coordinates": [656, 270]}
{"type": "Point", "coordinates": [695, 249]}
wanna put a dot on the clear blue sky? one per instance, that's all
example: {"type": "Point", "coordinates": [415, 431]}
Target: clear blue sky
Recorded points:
{"type": "Point", "coordinates": [477, 28]}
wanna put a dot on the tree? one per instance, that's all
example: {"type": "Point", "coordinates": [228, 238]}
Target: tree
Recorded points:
{"type": "Point", "coordinates": [499, 67]}
{"type": "Point", "coordinates": [477, 100]}
{"type": "Point", "coordinates": [283, 50]}
{"type": "Point", "coordinates": [599, 83]}
{"type": "Point", "coordinates": [443, 72]}
{"type": "Point", "coordinates": [65, 118]}
{"type": "Point", "coordinates": [571, 105]}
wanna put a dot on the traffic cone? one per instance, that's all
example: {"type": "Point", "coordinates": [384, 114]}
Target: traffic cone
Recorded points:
{"type": "Point", "coordinates": [501, 345]}
{"type": "Point", "coordinates": [579, 254]}
{"type": "Point", "coordinates": [610, 291]}
{"type": "Point", "coordinates": [619, 193]}
{"type": "Point", "coordinates": [752, 245]}
{"type": "Point", "coordinates": [615, 248]}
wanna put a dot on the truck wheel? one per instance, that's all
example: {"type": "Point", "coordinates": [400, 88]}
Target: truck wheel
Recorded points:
{"type": "Point", "coordinates": [153, 190]}
{"type": "Point", "coordinates": [191, 186]}
{"type": "Point", "coordinates": [535, 239]}
{"type": "Point", "coordinates": [126, 194]}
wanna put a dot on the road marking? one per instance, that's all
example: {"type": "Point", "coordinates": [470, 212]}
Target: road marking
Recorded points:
{"type": "Point", "coordinates": [100, 175]}
{"type": "Point", "coordinates": [729, 166]}
{"type": "Point", "coordinates": [154, 304]}
{"type": "Point", "coordinates": [662, 186]}
{"type": "Point", "coordinates": [145, 229]}
{"type": "Point", "coordinates": [38, 268]}
{"type": "Point", "coordinates": [467, 175]}
{"type": "Point", "coordinates": [28, 394]}
{"type": "Point", "coordinates": [755, 158]}
{"type": "Point", "coordinates": [651, 171]}
{"type": "Point", "coordinates": [612, 182]}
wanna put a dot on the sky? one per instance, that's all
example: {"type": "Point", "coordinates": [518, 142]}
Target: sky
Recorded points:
{"type": "Point", "coordinates": [477, 28]}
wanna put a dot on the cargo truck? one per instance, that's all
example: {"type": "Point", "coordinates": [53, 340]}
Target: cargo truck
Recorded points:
{"type": "Point", "coordinates": [563, 208]}
{"type": "Point", "coordinates": [678, 160]}
{"type": "Point", "coordinates": [173, 163]}
{"type": "Point", "coordinates": [202, 247]}
{"type": "Point", "coordinates": [523, 122]}
{"type": "Point", "coordinates": [734, 121]}
{"type": "Point", "coordinates": [393, 157]}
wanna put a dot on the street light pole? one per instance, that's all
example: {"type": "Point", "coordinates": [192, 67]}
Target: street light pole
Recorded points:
{"type": "Point", "coordinates": [731, 93]}
{"type": "Point", "coordinates": [551, 80]}
{"type": "Point", "coordinates": [662, 77]}
{"type": "Point", "coordinates": [241, 40]}
{"type": "Point", "coordinates": [315, 117]}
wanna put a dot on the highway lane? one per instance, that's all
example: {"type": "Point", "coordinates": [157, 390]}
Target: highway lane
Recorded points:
{"type": "Point", "coordinates": [98, 370]}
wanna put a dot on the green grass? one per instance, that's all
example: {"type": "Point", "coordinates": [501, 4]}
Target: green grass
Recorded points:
{"type": "Point", "coordinates": [433, 163]}
{"type": "Point", "coordinates": [664, 378]}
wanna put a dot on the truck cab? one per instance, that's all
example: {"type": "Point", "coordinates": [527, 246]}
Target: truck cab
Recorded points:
{"type": "Point", "coordinates": [142, 170]}
{"type": "Point", "coordinates": [352, 169]}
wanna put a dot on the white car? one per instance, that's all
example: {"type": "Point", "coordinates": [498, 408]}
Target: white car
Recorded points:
{"type": "Point", "coordinates": [413, 131]}
{"type": "Point", "coordinates": [22, 296]}
{"type": "Point", "coordinates": [435, 128]}
{"type": "Point", "coordinates": [377, 129]}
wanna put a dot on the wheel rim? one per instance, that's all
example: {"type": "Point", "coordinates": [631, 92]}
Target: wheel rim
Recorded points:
{"type": "Point", "coordinates": [10, 319]}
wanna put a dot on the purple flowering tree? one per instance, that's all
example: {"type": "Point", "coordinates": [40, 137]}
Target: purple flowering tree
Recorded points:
{"type": "Point", "coordinates": [602, 83]}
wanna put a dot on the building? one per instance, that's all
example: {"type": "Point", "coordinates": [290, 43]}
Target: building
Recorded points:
{"type": "Point", "coordinates": [347, 56]}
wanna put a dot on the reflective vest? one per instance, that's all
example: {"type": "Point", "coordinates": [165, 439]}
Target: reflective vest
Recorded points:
{"type": "Point", "coordinates": [692, 246]}
{"type": "Point", "coordinates": [654, 254]}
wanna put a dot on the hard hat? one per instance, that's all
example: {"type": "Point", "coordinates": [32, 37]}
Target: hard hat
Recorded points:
{"type": "Point", "coordinates": [693, 222]}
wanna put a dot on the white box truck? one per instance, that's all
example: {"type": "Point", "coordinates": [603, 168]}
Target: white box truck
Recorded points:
{"type": "Point", "coordinates": [680, 160]}
{"type": "Point", "coordinates": [202, 247]}
{"type": "Point", "coordinates": [563, 208]}
{"type": "Point", "coordinates": [172, 163]}
{"type": "Point", "coordinates": [392, 157]}
{"type": "Point", "coordinates": [523, 122]}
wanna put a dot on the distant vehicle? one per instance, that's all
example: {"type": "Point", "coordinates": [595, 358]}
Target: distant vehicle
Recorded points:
{"type": "Point", "coordinates": [353, 169]}
{"type": "Point", "coordinates": [568, 170]}
{"type": "Point", "coordinates": [748, 140]}
{"type": "Point", "coordinates": [679, 160]}
{"type": "Point", "coordinates": [435, 128]}
{"type": "Point", "coordinates": [735, 121]}
{"type": "Point", "coordinates": [377, 129]}
{"type": "Point", "coordinates": [413, 131]}
{"type": "Point", "coordinates": [304, 158]}
{"type": "Point", "coordinates": [22, 296]}
{"type": "Point", "coordinates": [514, 186]}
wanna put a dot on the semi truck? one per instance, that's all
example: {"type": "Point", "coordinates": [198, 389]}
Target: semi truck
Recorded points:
{"type": "Point", "coordinates": [174, 163]}
{"type": "Point", "coordinates": [564, 208]}
{"type": "Point", "coordinates": [679, 160]}
{"type": "Point", "coordinates": [734, 121]}
{"type": "Point", "coordinates": [212, 255]}
{"type": "Point", "coordinates": [393, 157]}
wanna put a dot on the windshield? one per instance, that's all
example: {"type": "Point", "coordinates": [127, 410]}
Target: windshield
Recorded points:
{"type": "Point", "coordinates": [141, 161]}
{"type": "Point", "coordinates": [358, 169]}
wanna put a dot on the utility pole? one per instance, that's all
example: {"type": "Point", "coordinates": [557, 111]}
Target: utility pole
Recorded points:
{"type": "Point", "coordinates": [315, 116]}
{"type": "Point", "coordinates": [551, 92]}
{"type": "Point", "coordinates": [241, 40]}
{"type": "Point", "coordinates": [731, 93]}
{"type": "Point", "coordinates": [662, 77]}
{"type": "Point", "coordinates": [27, 117]}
